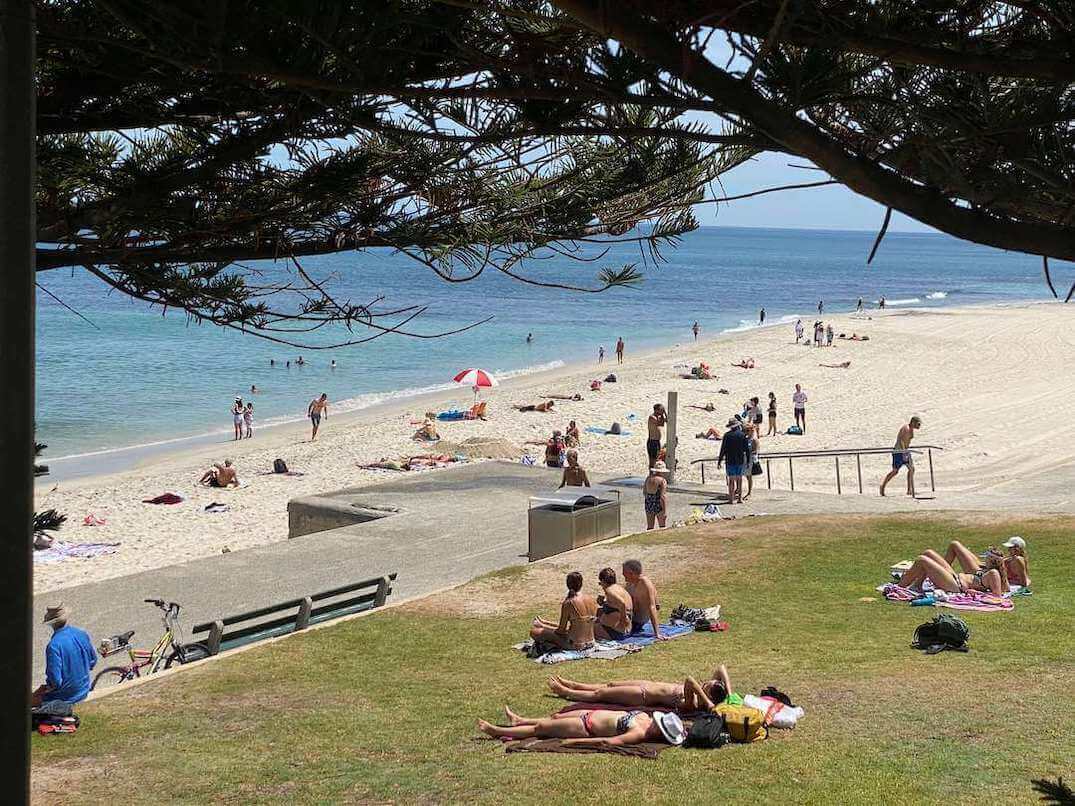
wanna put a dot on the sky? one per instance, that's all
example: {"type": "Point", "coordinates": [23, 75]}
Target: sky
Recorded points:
{"type": "Point", "coordinates": [830, 207]}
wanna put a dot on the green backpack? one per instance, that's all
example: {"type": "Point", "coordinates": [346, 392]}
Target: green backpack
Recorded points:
{"type": "Point", "coordinates": [944, 632]}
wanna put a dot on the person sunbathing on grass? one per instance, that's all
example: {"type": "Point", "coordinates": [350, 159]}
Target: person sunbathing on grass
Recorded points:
{"type": "Point", "coordinates": [542, 407]}
{"type": "Point", "coordinates": [582, 728]}
{"type": "Point", "coordinates": [1015, 563]}
{"type": "Point", "coordinates": [679, 697]}
{"type": "Point", "coordinates": [990, 577]}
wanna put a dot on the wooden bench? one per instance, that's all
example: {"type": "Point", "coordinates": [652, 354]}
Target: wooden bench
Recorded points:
{"type": "Point", "coordinates": [270, 622]}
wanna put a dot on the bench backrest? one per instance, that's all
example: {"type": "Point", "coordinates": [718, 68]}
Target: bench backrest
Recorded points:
{"type": "Point", "coordinates": [293, 615]}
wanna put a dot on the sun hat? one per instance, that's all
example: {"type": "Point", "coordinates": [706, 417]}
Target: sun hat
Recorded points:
{"type": "Point", "coordinates": [671, 727]}
{"type": "Point", "coordinates": [1014, 542]}
{"type": "Point", "coordinates": [54, 613]}
{"type": "Point", "coordinates": [658, 467]}
{"type": "Point", "coordinates": [732, 423]}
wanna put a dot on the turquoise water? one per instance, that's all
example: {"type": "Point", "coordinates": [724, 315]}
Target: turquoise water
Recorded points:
{"type": "Point", "coordinates": [140, 377]}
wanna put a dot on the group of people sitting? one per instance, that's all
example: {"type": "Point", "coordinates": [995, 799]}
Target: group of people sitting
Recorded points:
{"type": "Point", "coordinates": [619, 611]}
{"type": "Point", "coordinates": [994, 572]}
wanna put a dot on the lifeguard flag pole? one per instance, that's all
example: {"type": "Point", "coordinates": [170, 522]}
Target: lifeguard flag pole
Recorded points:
{"type": "Point", "coordinates": [17, 245]}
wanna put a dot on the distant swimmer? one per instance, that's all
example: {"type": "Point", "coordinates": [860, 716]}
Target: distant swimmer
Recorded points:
{"type": "Point", "coordinates": [901, 455]}
{"type": "Point", "coordinates": [529, 338]}
{"type": "Point", "coordinates": [254, 389]}
{"type": "Point", "coordinates": [289, 365]}
{"type": "Point", "coordinates": [695, 329]}
{"type": "Point", "coordinates": [601, 354]}
{"type": "Point", "coordinates": [300, 361]}
{"type": "Point", "coordinates": [333, 364]}
{"type": "Point", "coordinates": [820, 307]}
{"type": "Point", "coordinates": [317, 409]}
{"type": "Point", "coordinates": [272, 362]}
{"type": "Point", "coordinates": [761, 316]}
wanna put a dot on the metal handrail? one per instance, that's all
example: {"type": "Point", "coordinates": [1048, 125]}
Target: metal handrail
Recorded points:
{"type": "Point", "coordinates": [833, 453]}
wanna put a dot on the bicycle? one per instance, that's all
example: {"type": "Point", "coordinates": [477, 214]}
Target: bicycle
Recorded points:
{"type": "Point", "coordinates": [169, 650]}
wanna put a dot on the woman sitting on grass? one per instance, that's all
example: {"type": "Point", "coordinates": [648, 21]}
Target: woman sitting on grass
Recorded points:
{"type": "Point", "coordinates": [578, 612]}
{"type": "Point", "coordinates": [592, 727]}
{"type": "Point", "coordinates": [679, 697]}
{"type": "Point", "coordinates": [990, 577]}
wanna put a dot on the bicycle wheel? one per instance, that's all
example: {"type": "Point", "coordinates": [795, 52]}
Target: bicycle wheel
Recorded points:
{"type": "Point", "coordinates": [113, 675]}
{"type": "Point", "coordinates": [191, 652]}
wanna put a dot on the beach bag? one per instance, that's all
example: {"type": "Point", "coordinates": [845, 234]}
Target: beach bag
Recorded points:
{"type": "Point", "coordinates": [707, 732]}
{"type": "Point", "coordinates": [756, 470]}
{"type": "Point", "coordinates": [795, 431]}
{"type": "Point", "coordinates": [611, 378]}
{"type": "Point", "coordinates": [279, 466]}
{"type": "Point", "coordinates": [943, 632]}
{"type": "Point", "coordinates": [744, 725]}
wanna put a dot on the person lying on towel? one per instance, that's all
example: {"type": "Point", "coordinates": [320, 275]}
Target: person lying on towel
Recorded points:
{"type": "Point", "coordinates": [220, 476]}
{"type": "Point", "coordinates": [990, 577]}
{"type": "Point", "coordinates": [681, 697]}
{"type": "Point", "coordinates": [592, 727]}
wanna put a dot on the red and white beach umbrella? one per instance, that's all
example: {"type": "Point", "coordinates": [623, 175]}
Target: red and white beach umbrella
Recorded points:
{"type": "Point", "coordinates": [475, 378]}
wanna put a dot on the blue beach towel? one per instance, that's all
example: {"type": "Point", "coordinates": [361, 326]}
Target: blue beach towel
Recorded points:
{"type": "Point", "coordinates": [645, 637]}
{"type": "Point", "coordinates": [454, 414]}
{"type": "Point", "coordinates": [596, 429]}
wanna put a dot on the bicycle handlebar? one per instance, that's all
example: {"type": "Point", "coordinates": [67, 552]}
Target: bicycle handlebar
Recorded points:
{"type": "Point", "coordinates": [170, 606]}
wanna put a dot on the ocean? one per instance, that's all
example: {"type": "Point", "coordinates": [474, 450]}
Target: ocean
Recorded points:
{"type": "Point", "coordinates": [136, 377]}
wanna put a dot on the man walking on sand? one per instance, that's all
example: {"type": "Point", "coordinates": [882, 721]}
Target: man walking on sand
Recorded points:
{"type": "Point", "coordinates": [901, 455]}
{"type": "Point", "coordinates": [653, 440]}
{"type": "Point", "coordinates": [798, 402]}
{"type": "Point", "coordinates": [619, 350]}
{"type": "Point", "coordinates": [317, 409]}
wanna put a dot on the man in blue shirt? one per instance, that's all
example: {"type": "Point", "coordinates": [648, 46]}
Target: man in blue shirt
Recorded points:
{"type": "Point", "coordinates": [69, 657]}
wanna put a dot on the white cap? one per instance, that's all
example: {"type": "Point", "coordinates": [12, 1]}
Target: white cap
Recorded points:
{"type": "Point", "coordinates": [1015, 542]}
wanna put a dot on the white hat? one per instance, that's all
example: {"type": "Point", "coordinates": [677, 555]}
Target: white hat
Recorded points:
{"type": "Point", "coordinates": [1015, 542]}
{"type": "Point", "coordinates": [671, 727]}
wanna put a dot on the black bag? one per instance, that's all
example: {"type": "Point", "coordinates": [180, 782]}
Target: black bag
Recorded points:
{"type": "Point", "coordinates": [707, 732]}
{"type": "Point", "coordinates": [756, 470]}
{"type": "Point", "coordinates": [610, 378]}
{"type": "Point", "coordinates": [944, 632]}
{"type": "Point", "coordinates": [279, 466]}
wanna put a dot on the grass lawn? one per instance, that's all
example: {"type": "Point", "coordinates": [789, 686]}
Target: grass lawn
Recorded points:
{"type": "Point", "coordinates": [382, 709]}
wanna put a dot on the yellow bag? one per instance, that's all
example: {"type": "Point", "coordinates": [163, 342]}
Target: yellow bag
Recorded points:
{"type": "Point", "coordinates": [743, 724]}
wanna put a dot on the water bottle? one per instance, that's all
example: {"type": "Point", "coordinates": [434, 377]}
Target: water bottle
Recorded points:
{"type": "Point", "coordinates": [925, 601]}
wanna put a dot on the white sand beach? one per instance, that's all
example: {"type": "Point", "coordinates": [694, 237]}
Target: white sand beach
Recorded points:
{"type": "Point", "coordinates": [993, 385]}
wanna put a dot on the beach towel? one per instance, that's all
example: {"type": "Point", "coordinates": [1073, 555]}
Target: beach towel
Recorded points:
{"type": "Point", "coordinates": [894, 593]}
{"type": "Point", "coordinates": [645, 637]}
{"type": "Point", "coordinates": [454, 414]}
{"type": "Point", "coordinates": [596, 429]}
{"type": "Point", "coordinates": [977, 601]}
{"type": "Point", "coordinates": [602, 650]}
{"type": "Point", "coordinates": [165, 498]}
{"type": "Point", "coordinates": [645, 750]}
{"type": "Point", "coordinates": [59, 552]}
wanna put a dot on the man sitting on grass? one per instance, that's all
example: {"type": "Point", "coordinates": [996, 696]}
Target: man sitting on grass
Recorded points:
{"type": "Point", "coordinates": [69, 659]}
{"type": "Point", "coordinates": [645, 603]}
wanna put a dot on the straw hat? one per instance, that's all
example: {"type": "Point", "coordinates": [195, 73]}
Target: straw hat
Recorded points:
{"type": "Point", "coordinates": [54, 613]}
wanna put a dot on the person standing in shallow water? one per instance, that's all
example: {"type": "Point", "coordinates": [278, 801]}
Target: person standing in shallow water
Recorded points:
{"type": "Point", "coordinates": [695, 329]}
{"type": "Point", "coordinates": [820, 307]}
{"type": "Point", "coordinates": [761, 316]}
{"type": "Point", "coordinates": [619, 350]}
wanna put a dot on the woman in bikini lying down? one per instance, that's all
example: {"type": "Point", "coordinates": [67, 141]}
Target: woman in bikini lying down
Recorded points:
{"type": "Point", "coordinates": [989, 577]}
{"type": "Point", "coordinates": [542, 407]}
{"type": "Point", "coordinates": [1015, 562]}
{"type": "Point", "coordinates": [649, 693]}
{"type": "Point", "coordinates": [746, 363]}
{"type": "Point", "coordinates": [592, 727]}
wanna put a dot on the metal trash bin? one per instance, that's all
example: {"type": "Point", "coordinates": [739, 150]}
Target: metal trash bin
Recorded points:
{"type": "Point", "coordinates": [571, 517]}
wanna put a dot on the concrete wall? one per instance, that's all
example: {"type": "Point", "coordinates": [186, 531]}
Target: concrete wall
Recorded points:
{"type": "Point", "coordinates": [316, 513]}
